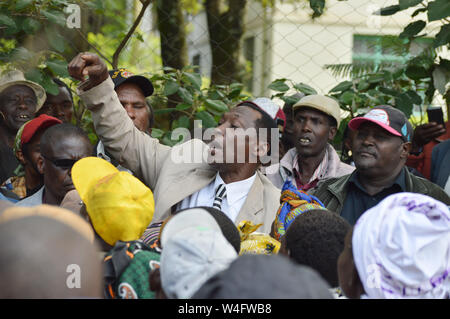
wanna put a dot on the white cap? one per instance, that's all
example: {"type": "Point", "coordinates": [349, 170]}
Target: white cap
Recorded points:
{"type": "Point", "coordinates": [194, 250]}
{"type": "Point", "coordinates": [195, 218]}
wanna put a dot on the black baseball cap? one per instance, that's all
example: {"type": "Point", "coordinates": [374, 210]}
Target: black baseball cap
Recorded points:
{"type": "Point", "coordinates": [120, 76]}
{"type": "Point", "coordinates": [389, 118]}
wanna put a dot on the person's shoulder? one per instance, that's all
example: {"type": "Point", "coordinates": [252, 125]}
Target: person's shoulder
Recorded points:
{"type": "Point", "coordinates": [343, 179]}
{"type": "Point", "coordinates": [267, 184]}
{"type": "Point", "coordinates": [35, 199]}
{"type": "Point", "coordinates": [346, 168]}
{"type": "Point", "coordinates": [423, 185]}
{"type": "Point", "coordinates": [333, 183]}
{"type": "Point", "coordinates": [187, 145]}
{"type": "Point", "coordinates": [341, 167]}
{"type": "Point", "coordinates": [443, 146]}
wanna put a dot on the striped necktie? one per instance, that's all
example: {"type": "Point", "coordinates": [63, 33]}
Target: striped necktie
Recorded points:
{"type": "Point", "coordinates": [220, 194]}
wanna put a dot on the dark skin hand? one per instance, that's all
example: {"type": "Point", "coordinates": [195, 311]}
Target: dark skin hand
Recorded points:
{"type": "Point", "coordinates": [89, 68]}
{"type": "Point", "coordinates": [423, 134]}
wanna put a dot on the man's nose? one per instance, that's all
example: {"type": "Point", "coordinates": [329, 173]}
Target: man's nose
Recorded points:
{"type": "Point", "coordinates": [130, 111]}
{"type": "Point", "coordinates": [22, 105]}
{"type": "Point", "coordinates": [58, 110]}
{"type": "Point", "coordinates": [305, 126]}
{"type": "Point", "coordinates": [368, 139]}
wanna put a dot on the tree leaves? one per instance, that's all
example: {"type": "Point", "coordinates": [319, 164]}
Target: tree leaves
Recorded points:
{"type": "Point", "coordinates": [22, 4]}
{"type": "Point", "coordinates": [216, 105]}
{"type": "Point", "coordinates": [405, 4]}
{"type": "Point", "coordinates": [317, 6]}
{"type": "Point", "coordinates": [7, 21]}
{"type": "Point", "coordinates": [412, 29]}
{"type": "Point", "coordinates": [443, 36]}
{"type": "Point", "coordinates": [170, 88]}
{"type": "Point", "coordinates": [438, 9]}
{"type": "Point", "coordinates": [416, 72]}
{"type": "Point", "coordinates": [279, 85]}
{"type": "Point", "coordinates": [55, 40]}
{"type": "Point", "coordinates": [343, 86]}
{"type": "Point", "coordinates": [185, 95]}
{"type": "Point", "coordinates": [58, 67]}
{"type": "Point", "coordinates": [193, 78]}
{"type": "Point", "coordinates": [56, 17]}
{"type": "Point", "coordinates": [30, 25]}
{"type": "Point", "coordinates": [387, 11]}
{"type": "Point", "coordinates": [206, 118]}
{"type": "Point", "coordinates": [305, 88]}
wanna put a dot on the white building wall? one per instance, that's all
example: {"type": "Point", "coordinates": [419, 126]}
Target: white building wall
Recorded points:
{"type": "Point", "coordinates": [298, 47]}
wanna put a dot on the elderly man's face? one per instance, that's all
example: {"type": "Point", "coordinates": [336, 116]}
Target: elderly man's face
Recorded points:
{"type": "Point", "coordinates": [59, 106]}
{"type": "Point", "coordinates": [133, 100]}
{"type": "Point", "coordinates": [17, 106]}
{"type": "Point", "coordinates": [376, 151]}
{"type": "Point", "coordinates": [312, 131]}
{"type": "Point", "coordinates": [235, 141]}
{"type": "Point", "coordinates": [58, 162]}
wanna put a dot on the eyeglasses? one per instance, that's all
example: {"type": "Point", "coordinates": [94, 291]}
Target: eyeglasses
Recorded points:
{"type": "Point", "coordinates": [61, 163]}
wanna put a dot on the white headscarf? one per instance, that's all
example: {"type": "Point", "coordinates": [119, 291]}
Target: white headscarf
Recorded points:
{"type": "Point", "coordinates": [401, 248]}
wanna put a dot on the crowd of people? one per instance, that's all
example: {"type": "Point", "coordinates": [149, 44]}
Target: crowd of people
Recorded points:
{"type": "Point", "coordinates": [125, 218]}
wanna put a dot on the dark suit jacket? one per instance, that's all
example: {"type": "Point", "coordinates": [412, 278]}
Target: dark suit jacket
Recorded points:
{"type": "Point", "coordinates": [440, 163]}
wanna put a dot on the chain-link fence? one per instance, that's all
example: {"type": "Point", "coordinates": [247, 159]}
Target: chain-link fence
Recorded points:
{"type": "Point", "coordinates": [284, 41]}
{"type": "Point", "coordinates": [250, 41]}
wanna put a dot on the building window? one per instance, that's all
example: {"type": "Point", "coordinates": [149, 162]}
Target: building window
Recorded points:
{"type": "Point", "coordinates": [386, 50]}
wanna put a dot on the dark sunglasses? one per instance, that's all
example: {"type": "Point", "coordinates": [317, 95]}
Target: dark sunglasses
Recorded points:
{"type": "Point", "coordinates": [62, 163]}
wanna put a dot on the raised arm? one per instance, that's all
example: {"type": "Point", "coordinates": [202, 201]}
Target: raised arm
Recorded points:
{"type": "Point", "coordinates": [133, 149]}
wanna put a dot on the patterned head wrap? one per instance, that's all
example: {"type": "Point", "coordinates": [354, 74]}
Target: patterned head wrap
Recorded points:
{"type": "Point", "coordinates": [293, 203]}
{"type": "Point", "coordinates": [17, 140]}
{"type": "Point", "coordinates": [256, 243]}
{"type": "Point", "coordinates": [401, 248]}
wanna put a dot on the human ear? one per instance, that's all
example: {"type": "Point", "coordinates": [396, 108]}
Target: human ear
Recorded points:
{"type": "Point", "coordinates": [40, 165]}
{"type": "Point", "coordinates": [332, 132]}
{"type": "Point", "coordinates": [406, 149]}
{"type": "Point", "coordinates": [20, 157]}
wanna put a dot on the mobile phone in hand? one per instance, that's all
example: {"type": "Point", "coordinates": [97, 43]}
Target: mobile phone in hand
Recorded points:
{"type": "Point", "coordinates": [436, 115]}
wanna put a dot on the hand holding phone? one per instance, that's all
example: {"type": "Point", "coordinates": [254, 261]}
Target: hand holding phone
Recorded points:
{"type": "Point", "coordinates": [436, 115]}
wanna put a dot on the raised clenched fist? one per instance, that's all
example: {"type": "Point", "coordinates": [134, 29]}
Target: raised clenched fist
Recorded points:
{"type": "Point", "coordinates": [89, 68]}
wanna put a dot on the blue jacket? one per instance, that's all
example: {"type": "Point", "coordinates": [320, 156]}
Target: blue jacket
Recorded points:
{"type": "Point", "coordinates": [440, 163]}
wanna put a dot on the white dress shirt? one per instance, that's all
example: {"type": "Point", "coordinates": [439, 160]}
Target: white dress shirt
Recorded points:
{"type": "Point", "coordinates": [236, 194]}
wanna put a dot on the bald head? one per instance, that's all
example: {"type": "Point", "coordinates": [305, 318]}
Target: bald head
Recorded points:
{"type": "Point", "coordinates": [44, 258]}
{"type": "Point", "coordinates": [58, 134]}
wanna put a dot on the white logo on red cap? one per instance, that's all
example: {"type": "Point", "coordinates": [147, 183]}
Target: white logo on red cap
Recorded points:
{"type": "Point", "coordinates": [378, 115]}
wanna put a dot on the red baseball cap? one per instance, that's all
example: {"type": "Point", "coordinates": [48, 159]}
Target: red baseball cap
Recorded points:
{"type": "Point", "coordinates": [389, 118]}
{"type": "Point", "coordinates": [40, 122]}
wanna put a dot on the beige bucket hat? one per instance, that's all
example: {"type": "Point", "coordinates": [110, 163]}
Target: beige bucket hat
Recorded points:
{"type": "Point", "coordinates": [17, 77]}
